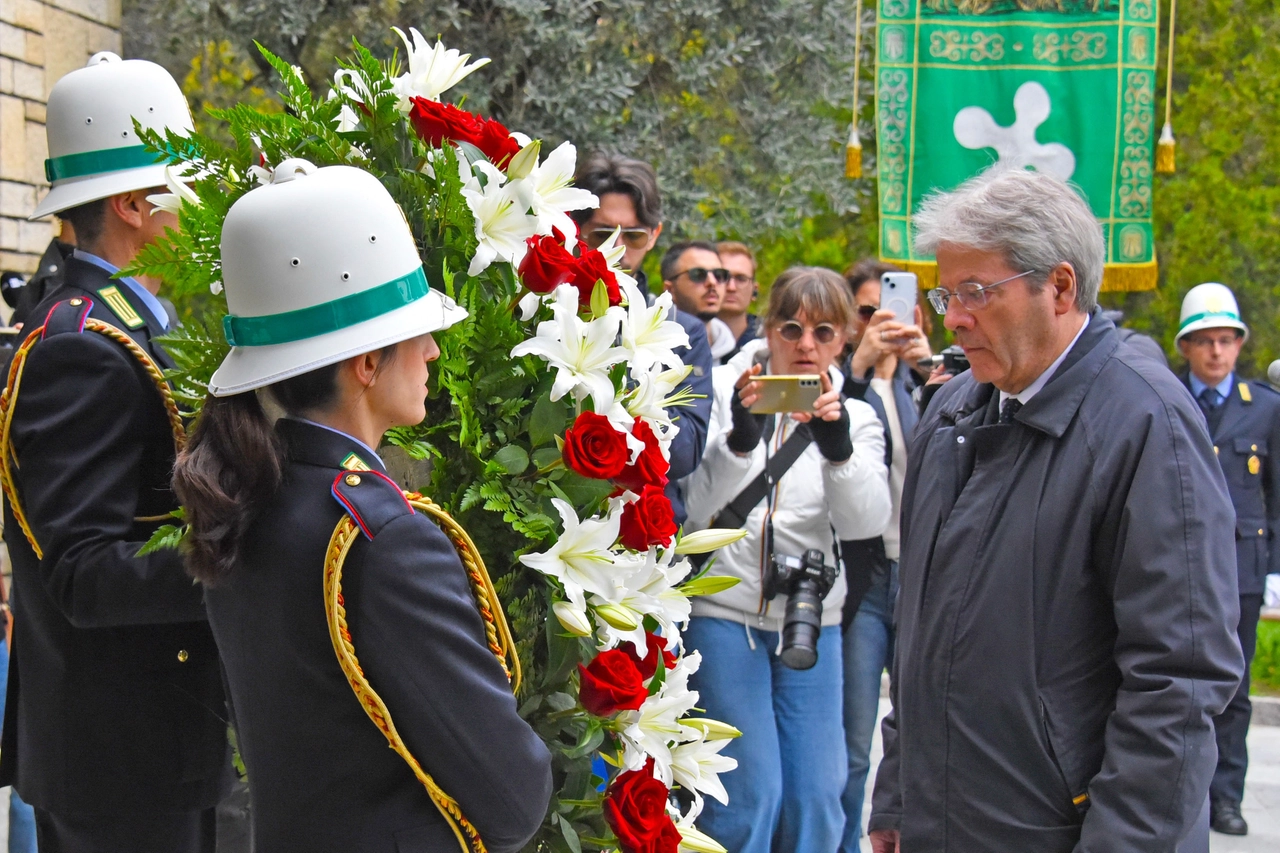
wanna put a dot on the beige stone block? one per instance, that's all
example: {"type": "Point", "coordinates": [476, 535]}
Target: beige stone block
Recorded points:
{"type": "Point", "coordinates": [16, 199]}
{"type": "Point", "coordinates": [36, 111]}
{"type": "Point", "coordinates": [6, 76]}
{"type": "Point", "coordinates": [13, 139]}
{"type": "Point", "coordinates": [66, 40]}
{"type": "Point", "coordinates": [101, 11]}
{"type": "Point", "coordinates": [37, 151]}
{"type": "Point", "coordinates": [13, 41]}
{"type": "Point", "coordinates": [34, 49]}
{"type": "Point", "coordinates": [8, 234]}
{"type": "Point", "coordinates": [28, 14]}
{"type": "Point", "coordinates": [22, 263]}
{"type": "Point", "coordinates": [34, 237]}
{"type": "Point", "coordinates": [28, 81]}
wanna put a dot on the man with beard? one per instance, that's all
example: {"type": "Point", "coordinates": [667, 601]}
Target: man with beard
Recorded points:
{"type": "Point", "coordinates": [694, 276]}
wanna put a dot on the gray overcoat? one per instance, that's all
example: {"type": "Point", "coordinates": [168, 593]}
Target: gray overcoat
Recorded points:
{"type": "Point", "coordinates": [1066, 626]}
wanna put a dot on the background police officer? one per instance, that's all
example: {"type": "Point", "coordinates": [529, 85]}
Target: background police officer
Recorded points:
{"type": "Point", "coordinates": [114, 727]}
{"type": "Point", "coordinates": [1244, 422]}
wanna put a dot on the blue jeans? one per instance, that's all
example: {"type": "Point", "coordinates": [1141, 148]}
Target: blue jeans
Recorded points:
{"type": "Point", "coordinates": [22, 818]}
{"type": "Point", "coordinates": [868, 651]}
{"type": "Point", "coordinates": [785, 794]}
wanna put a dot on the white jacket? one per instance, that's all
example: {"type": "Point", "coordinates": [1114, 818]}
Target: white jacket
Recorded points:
{"type": "Point", "coordinates": [812, 497]}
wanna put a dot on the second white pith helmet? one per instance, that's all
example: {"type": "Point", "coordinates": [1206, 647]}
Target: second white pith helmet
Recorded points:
{"type": "Point", "coordinates": [319, 265]}
{"type": "Point", "coordinates": [93, 149]}
{"type": "Point", "coordinates": [1210, 306]}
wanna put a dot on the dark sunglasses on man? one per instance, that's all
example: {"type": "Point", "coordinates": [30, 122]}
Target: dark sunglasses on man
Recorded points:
{"type": "Point", "coordinates": [699, 275]}
{"type": "Point", "coordinates": [632, 238]}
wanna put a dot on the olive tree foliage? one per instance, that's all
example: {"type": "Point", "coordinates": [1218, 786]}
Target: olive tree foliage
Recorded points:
{"type": "Point", "coordinates": [742, 105]}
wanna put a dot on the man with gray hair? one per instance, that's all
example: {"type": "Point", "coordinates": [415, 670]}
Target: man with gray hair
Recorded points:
{"type": "Point", "coordinates": [1066, 620]}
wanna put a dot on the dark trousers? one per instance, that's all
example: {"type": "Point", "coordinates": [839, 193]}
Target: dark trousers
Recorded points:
{"type": "Point", "coordinates": [180, 832]}
{"type": "Point", "coordinates": [1232, 725]}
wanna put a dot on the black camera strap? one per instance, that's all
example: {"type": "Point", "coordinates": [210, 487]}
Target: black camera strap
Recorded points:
{"type": "Point", "coordinates": [735, 514]}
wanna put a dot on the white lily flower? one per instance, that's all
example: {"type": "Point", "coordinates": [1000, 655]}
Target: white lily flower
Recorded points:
{"type": "Point", "coordinates": [179, 193]}
{"type": "Point", "coordinates": [648, 333]}
{"type": "Point", "coordinates": [692, 839]}
{"type": "Point", "coordinates": [432, 71]}
{"type": "Point", "coordinates": [580, 558]}
{"type": "Point", "coordinates": [651, 731]}
{"type": "Point", "coordinates": [553, 193]}
{"type": "Point", "coordinates": [529, 305]}
{"type": "Point", "coordinates": [573, 618]}
{"type": "Point", "coordinates": [622, 612]}
{"type": "Point", "coordinates": [651, 397]}
{"type": "Point", "coordinates": [502, 225]}
{"type": "Point", "coordinates": [656, 580]}
{"type": "Point", "coordinates": [261, 175]}
{"type": "Point", "coordinates": [582, 352]}
{"type": "Point", "coordinates": [697, 765]}
{"type": "Point", "coordinates": [348, 119]}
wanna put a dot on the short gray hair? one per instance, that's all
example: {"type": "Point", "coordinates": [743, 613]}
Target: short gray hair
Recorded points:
{"type": "Point", "coordinates": [1033, 219]}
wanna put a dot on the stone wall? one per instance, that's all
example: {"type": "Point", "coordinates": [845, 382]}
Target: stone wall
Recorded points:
{"type": "Point", "coordinates": [40, 41]}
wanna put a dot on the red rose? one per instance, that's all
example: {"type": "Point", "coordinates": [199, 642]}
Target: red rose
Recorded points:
{"type": "Point", "coordinates": [435, 122]}
{"type": "Point", "coordinates": [651, 467]}
{"type": "Point", "coordinates": [611, 683]}
{"type": "Point", "coordinates": [592, 267]}
{"type": "Point", "coordinates": [636, 809]}
{"type": "Point", "coordinates": [547, 264]}
{"type": "Point", "coordinates": [657, 650]}
{"type": "Point", "coordinates": [648, 521]}
{"type": "Point", "coordinates": [593, 448]}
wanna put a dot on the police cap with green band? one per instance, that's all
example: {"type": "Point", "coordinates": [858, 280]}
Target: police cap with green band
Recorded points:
{"type": "Point", "coordinates": [1210, 306]}
{"type": "Point", "coordinates": [94, 150]}
{"type": "Point", "coordinates": [319, 265]}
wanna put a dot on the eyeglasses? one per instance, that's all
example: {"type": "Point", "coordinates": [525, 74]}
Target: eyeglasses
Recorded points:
{"type": "Point", "coordinates": [1211, 341]}
{"type": "Point", "coordinates": [866, 312]}
{"type": "Point", "coordinates": [699, 275]}
{"type": "Point", "coordinates": [971, 294]}
{"type": "Point", "coordinates": [791, 331]}
{"type": "Point", "coordinates": [632, 238]}
{"type": "Point", "coordinates": [741, 279]}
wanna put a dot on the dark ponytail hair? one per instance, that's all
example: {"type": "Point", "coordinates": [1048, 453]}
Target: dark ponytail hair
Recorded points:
{"type": "Point", "coordinates": [232, 465]}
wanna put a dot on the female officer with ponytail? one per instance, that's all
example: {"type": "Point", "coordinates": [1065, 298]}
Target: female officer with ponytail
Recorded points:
{"type": "Point", "coordinates": [331, 317]}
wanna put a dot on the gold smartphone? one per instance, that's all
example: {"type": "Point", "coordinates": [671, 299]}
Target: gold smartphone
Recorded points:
{"type": "Point", "coordinates": [787, 394]}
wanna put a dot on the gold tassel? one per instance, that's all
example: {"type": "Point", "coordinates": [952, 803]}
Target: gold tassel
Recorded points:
{"type": "Point", "coordinates": [1165, 151]}
{"type": "Point", "coordinates": [853, 156]}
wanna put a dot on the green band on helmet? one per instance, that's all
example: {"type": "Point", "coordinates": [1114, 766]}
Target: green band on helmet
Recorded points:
{"type": "Point", "coordinates": [1204, 315]}
{"type": "Point", "coordinates": [99, 162]}
{"type": "Point", "coordinates": [326, 317]}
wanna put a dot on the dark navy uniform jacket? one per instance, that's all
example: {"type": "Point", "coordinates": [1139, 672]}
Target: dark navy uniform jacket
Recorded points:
{"type": "Point", "coordinates": [115, 701]}
{"type": "Point", "coordinates": [321, 774]}
{"type": "Point", "coordinates": [1246, 437]}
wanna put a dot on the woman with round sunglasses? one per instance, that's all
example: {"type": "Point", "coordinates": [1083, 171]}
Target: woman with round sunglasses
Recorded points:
{"type": "Point", "coordinates": [786, 792]}
{"type": "Point", "coordinates": [332, 321]}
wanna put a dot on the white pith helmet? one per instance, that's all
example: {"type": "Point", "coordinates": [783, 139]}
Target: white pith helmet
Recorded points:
{"type": "Point", "coordinates": [93, 150]}
{"type": "Point", "coordinates": [319, 265]}
{"type": "Point", "coordinates": [1210, 306]}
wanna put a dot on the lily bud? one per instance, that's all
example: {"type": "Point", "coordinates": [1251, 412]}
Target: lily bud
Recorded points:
{"type": "Point", "coordinates": [574, 620]}
{"type": "Point", "coordinates": [713, 729]}
{"type": "Point", "coordinates": [708, 540]}
{"type": "Point", "coordinates": [695, 840]}
{"type": "Point", "coordinates": [708, 585]}
{"type": "Point", "coordinates": [524, 161]}
{"type": "Point", "coordinates": [617, 616]}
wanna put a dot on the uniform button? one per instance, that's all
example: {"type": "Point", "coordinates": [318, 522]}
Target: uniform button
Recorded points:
{"type": "Point", "coordinates": [77, 301]}
{"type": "Point", "coordinates": [1261, 532]}
{"type": "Point", "coordinates": [959, 439]}
{"type": "Point", "coordinates": [1253, 447]}
{"type": "Point", "coordinates": [353, 479]}
{"type": "Point", "coordinates": [1215, 450]}
{"type": "Point", "coordinates": [182, 655]}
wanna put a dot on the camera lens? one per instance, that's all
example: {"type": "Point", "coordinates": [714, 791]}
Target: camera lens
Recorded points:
{"type": "Point", "coordinates": [802, 625]}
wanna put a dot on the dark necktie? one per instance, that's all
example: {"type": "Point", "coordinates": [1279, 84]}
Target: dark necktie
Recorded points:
{"type": "Point", "coordinates": [1009, 409]}
{"type": "Point", "coordinates": [1210, 400]}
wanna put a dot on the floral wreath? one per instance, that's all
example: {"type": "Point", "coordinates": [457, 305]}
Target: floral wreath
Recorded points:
{"type": "Point", "coordinates": [548, 429]}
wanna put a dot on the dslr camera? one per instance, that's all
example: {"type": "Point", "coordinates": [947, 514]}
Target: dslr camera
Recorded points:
{"type": "Point", "coordinates": [805, 581]}
{"type": "Point", "coordinates": [952, 359]}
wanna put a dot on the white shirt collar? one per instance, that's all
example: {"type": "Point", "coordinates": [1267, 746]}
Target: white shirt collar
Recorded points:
{"type": "Point", "coordinates": [1024, 396]}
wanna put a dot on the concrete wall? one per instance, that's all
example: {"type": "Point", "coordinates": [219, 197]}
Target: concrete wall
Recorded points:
{"type": "Point", "coordinates": [40, 40]}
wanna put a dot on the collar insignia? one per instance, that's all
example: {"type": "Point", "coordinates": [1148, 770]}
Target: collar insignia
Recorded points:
{"type": "Point", "coordinates": [120, 307]}
{"type": "Point", "coordinates": [1245, 393]}
{"type": "Point", "coordinates": [354, 463]}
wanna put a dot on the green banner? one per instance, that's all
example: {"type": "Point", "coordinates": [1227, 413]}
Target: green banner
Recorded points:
{"type": "Point", "coordinates": [1063, 86]}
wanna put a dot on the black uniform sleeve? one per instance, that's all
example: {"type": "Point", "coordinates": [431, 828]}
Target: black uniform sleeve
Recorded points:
{"type": "Point", "coordinates": [81, 444]}
{"type": "Point", "coordinates": [421, 642]}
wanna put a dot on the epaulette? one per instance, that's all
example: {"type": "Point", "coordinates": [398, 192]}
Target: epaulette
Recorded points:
{"type": "Point", "coordinates": [371, 498]}
{"type": "Point", "coordinates": [67, 317]}
{"type": "Point", "coordinates": [1258, 385]}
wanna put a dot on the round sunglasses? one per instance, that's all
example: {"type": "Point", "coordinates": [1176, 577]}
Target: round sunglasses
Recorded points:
{"type": "Point", "coordinates": [632, 238]}
{"type": "Point", "coordinates": [791, 331]}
